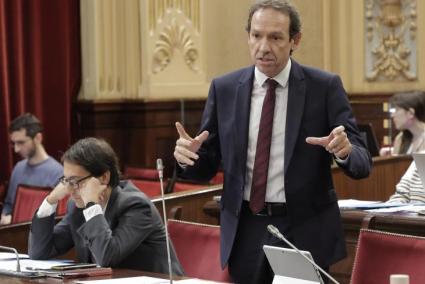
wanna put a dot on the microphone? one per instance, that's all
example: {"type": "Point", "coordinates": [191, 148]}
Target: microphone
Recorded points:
{"type": "Point", "coordinates": [275, 232]}
{"type": "Point", "coordinates": [18, 272]}
{"type": "Point", "coordinates": [160, 169]}
{"type": "Point", "coordinates": [18, 264]}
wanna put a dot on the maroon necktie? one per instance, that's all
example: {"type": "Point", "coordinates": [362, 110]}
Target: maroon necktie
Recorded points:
{"type": "Point", "coordinates": [262, 154]}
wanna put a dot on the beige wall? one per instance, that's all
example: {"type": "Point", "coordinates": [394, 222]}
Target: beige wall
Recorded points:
{"type": "Point", "coordinates": [226, 38]}
{"type": "Point", "coordinates": [312, 48]}
{"type": "Point", "coordinates": [346, 53]}
{"type": "Point", "coordinates": [333, 39]}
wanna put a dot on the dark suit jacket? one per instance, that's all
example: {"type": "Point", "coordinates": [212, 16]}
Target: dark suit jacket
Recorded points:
{"type": "Point", "coordinates": [317, 103]}
{"type": "Point", "coordinates": [129, 235]}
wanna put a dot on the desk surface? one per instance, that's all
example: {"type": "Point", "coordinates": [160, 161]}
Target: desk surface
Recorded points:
{"type": "Point", "coordinates": [116, 273]}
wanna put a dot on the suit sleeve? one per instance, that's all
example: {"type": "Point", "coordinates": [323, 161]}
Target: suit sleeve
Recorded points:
{"type": "Point", "coordinates": [359, 163]}
{"type": "Point", "coordinates": [111, 247]}
{"type": "Point", "coordinates": [47, 240]}
{"type": "Point", "coordinates": [209, 154]}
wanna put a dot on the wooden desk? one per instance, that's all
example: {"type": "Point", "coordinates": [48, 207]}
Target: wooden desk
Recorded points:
{"type": "Point", "coordinates": [410, 224]}
{"type": "Point", "coordinates": [192, 202]}
{"type": "Point", "coordinates": [380, 184]}
{"type": "Point", "coordinates": [116, 273]}
{"type": "Point", "coordinates": [15, 236]}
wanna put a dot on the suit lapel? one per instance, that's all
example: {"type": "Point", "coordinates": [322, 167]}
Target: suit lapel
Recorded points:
{"type": "Point", "coordinates": [109, 209]}
{"type": "Point", "coordinates": [295, 110]}
{"type": "Point", "coordinates": [242, 111]}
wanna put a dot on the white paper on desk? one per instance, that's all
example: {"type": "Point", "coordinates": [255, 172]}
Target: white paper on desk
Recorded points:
{"type": "Point", "coordinates": [195, 281]}
{"type": "Point", "coordinates": [11, 255]}
{"type": "Point", "coordinates": [30, 265]}
{"type": "Point", "coordinates": [409, 208]}
{"type": "Point", "coordinates": [354, 203]}
{"type": "Point", "coordinates": [128, 280]}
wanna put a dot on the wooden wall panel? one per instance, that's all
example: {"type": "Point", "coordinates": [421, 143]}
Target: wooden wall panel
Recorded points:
{"type": "Point", "coordinates": [368, 108]}
{"type": "Point", "coordinates": [140, 132]}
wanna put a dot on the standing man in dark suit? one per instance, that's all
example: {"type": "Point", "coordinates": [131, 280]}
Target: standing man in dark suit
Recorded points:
{"type": "Point", "coordinates": [108, 222]}
{"type": "Point", "coordinates": [276, 167]}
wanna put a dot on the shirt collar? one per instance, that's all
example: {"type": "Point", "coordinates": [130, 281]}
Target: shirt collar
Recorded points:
{"type": "Point", "coordinates": [281, 78]}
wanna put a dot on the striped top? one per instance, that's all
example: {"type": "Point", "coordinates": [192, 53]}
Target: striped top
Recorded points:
{"type": "Point", "coordinates": [409, 188]}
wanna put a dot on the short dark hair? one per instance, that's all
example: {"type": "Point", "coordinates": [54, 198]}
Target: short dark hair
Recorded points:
{"type": "Point", "coordinates": [28, 122]}
{"type": "Point", "coordinates": [282, 6]}
{"type": "Point", "coordinates": [96, 156]}
{"type": "Point", "coordinates": [407, 100]}
{"type": "Point", "coordinates": [411, 99]}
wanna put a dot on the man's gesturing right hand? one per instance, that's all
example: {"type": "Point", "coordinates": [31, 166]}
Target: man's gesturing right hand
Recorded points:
{"type": "Point", "coordinates": [186, 146]}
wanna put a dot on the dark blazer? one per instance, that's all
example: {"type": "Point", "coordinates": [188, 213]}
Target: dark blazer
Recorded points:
{"type": "Point", "coordinates": [317, 103]}
{"type": "Point", "coordinates": [129, 235]}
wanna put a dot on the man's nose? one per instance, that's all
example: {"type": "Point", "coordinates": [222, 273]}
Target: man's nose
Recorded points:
{"type": "Point", "coordinates": [17, 148]}
{"type": "Point", "coordinates": [264, 45]}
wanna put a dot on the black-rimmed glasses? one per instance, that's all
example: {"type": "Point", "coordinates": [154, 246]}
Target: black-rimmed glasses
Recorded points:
{"type": "Point", "coordinates": [73, 182]}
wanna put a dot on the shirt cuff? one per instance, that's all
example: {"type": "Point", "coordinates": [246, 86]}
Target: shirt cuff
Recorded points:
{"type": "Point", "coordinates": [46, 209]}
{"type": "Point", "coordinates": [92, 211]}
{"type": "Point", "coordinates": [181, 165]}
{"type": "Point", "coordinates": [341, 161]}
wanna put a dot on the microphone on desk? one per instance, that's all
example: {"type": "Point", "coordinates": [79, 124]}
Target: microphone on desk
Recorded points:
{"type": "Point", "coordinates": [160, 169]}
{"type": "Point", "coordinates": [18, 264]}
{"type": "Point", "coordinates": [275, 232]}
{"type": "Point", "coordinates": [18, 272]}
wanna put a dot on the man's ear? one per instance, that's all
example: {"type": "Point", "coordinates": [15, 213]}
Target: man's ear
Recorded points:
{"type": "Point", "coordinates": [105, 178]}
{"type": "Point", "coordinates": [38, 138]}
{"type": "Point", "coordinates": [295, 41]}
{"type": "Point", "coordinates": [411, 112]}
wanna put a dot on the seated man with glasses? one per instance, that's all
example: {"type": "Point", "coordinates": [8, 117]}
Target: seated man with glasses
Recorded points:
{"type": "Point", "coordinates": [109, 222]}
{"type": "Point", "coordinates": [37, 168]}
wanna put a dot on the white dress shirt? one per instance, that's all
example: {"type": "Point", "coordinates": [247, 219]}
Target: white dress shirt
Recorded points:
{"type": "Point", "coordinates": [275, 191]}
{"type": "Point", "coordinates": [47, 209]}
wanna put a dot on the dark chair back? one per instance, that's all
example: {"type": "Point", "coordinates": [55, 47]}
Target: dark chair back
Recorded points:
{"type": "Point", "coordinates": [368, 134]}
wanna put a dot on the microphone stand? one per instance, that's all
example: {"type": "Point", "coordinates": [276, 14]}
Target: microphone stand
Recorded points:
{"type": "Point", "coordinates": [160, 169]}
{"type": "Point", "coordinates": [275, 232]}
{"type": "Point", "coordinates": [18, 272]}
{"type": "Point", "coordinates": [18, 264]}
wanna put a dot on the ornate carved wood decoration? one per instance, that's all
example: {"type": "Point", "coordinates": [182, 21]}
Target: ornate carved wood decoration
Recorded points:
{"type": "Point", "coordinates": [176, 24]}
{"type": "Point", "coordinates": [390, 43]}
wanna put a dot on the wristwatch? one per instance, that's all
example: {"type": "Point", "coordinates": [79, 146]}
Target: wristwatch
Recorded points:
{"type": "Point", "coordinates": [89, 204]}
